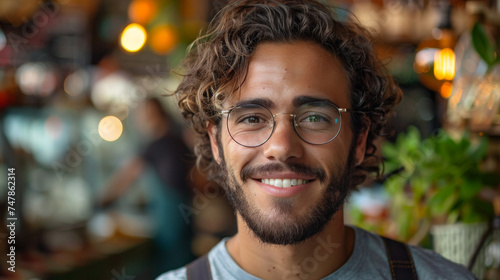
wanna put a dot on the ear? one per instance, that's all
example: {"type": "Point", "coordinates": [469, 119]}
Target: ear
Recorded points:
{"type": "Point", "coordinates": [212, 134]}
{"type": "Point", "coordinates": [361, 142]}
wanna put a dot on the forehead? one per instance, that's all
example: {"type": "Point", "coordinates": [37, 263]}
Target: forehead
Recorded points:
{"type": "Point", "coordinates": [280, 72]}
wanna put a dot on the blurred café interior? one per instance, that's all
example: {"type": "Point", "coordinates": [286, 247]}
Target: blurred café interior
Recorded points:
{"type": "Point", "coordinates": [80, 135]}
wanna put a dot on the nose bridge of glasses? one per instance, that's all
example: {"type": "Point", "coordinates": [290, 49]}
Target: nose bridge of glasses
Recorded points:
{"type": "Point", "coordinates": [288, 114]}
{"type": "Point", "coordinates": [279, 114]}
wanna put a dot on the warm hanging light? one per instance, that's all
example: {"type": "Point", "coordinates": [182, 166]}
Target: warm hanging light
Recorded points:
{"type": "Point", "coordinates": [435, 58]}
{"type": "Point", "coordinates": [444, 64]}
{"type": "Point", "coordinates": [133, 37]}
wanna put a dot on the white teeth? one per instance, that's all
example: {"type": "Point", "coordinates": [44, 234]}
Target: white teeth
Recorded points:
{"type": "Point", "coordinates": [278, 183]}
{"type": "Point", "coordinates": [287, 183]}
{"type": "Point", "coordinates": [284, 183]}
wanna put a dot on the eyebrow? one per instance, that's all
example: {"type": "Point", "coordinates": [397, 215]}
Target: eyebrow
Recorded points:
{"type": "Point", "coordinates": [297, 101]}
{"type": "Point", "coordinates": [265, 102]}
{"type": "Point", "coordinates": [302, 99]}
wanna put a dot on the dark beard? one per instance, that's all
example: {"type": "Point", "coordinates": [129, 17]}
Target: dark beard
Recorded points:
{"type": "Point", "coordinates": [290, 228]}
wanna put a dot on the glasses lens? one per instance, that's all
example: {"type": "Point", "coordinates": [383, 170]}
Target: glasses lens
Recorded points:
{"type": "Point", "coordinates": [250, 125]}
{"type": "Point", "coordinates": [318, 122]}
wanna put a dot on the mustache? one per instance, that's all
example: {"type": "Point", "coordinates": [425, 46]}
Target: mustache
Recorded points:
{"type": "Point", "coordinates": [249, 171]}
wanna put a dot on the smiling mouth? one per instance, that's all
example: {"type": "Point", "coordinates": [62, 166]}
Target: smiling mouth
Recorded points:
{"type": "Point", "coordinates": [285, 183]}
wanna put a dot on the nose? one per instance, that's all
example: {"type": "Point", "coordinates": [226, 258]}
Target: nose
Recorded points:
{"type": "Point", "coordinates": [284, 143]}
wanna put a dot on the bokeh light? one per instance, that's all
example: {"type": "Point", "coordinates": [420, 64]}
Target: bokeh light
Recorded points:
{"type": "Point", "coordinates": [133, 37]}
{"type": "Point", "coordinates": [142, 11]}
{"type": "Point", "coordinates": [444, 64]}
{"type": "Point", "coordinates": [424, 59]}
{"type": "Point", "coordinates": [77, 83]}
{"type": "Point", "coordinates": [114, 93]}
{"type": "Point", "coordinates": [164, 38]}
{"type": "Point", "coordinates": [110, 128]}
{"type": "Point", "coordinates": [36, 78]}
{"type": "Point", "coordinates": [446, 89]}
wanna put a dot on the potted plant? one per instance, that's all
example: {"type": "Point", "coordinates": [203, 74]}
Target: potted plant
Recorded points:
{"type": "Point", "coordinates": [437, 181]}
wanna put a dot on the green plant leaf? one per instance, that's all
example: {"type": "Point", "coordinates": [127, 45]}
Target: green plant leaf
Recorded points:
{"type": "Point", "coordinates": [470, 214]}
{"type": "Point", "coordinates": [395, 184]}
{"type": "Point", "coordinates": [482, 44]}
{"type": "Point", "coordinates": [470, 188]}
{"type": "Point", "coordinates": [405, 221]}
{"type": "Point", "coordinates": [390, 150]}
{"type": "Point", "coordinates": [453, 216]}
{"type": "Point", "coordinates": [443, 200]}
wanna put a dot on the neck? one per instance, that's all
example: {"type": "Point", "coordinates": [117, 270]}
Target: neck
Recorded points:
{"type": "Point", "coordinates": [314, 258]}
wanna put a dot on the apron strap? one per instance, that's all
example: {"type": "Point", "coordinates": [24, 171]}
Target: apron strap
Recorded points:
{"type": "Point", "coordinates": [400, 260]}
{"type": "Point", "coordinates": [199, 269]}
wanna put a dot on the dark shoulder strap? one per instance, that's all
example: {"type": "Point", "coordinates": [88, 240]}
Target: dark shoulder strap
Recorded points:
{"type": "Point", "coordinates": [199, 269]}
{"type": "Point", "coordinates": [400, 260]}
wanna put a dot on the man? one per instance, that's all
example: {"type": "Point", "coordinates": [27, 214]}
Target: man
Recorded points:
{"type": "Point", "coordinates": [287, 101]}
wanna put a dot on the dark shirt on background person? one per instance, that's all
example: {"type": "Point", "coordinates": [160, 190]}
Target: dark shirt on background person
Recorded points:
{"type": "Point", "coordinates": [169, 156]}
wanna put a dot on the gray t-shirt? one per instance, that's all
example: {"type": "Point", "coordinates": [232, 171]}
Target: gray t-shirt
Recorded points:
{"type": "Point", "coordinates": [368, 261]}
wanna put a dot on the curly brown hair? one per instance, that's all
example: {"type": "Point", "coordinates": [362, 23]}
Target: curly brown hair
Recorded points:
{"type": "Point", "coordinates": [217, 63]}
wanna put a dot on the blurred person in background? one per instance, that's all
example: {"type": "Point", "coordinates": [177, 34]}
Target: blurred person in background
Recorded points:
{"type": "Point", "coordinates": [168, 157]}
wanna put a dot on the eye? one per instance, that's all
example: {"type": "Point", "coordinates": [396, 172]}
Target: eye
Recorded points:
{"type": "Point", "coordinates": [252, 119]}
{"type": "Point", "coordinates": [314, 117]}
{"type": "Point", "coordinates": [250, 116]}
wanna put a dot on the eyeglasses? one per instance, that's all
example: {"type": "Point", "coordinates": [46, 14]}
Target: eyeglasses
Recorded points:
{"type": "Point", "coordinates": [317, 123]}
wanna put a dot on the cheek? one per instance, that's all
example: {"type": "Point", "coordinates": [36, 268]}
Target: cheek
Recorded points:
{"type": "Point", "coordinates": [236, 156]}
{"type": "Point", "coordinates": [225, 138]}
{"type": "Point", "coordinates": [332, 156]}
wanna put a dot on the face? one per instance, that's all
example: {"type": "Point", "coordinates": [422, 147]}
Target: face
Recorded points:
{"type": "Point", "coordinates": [282, 76]}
